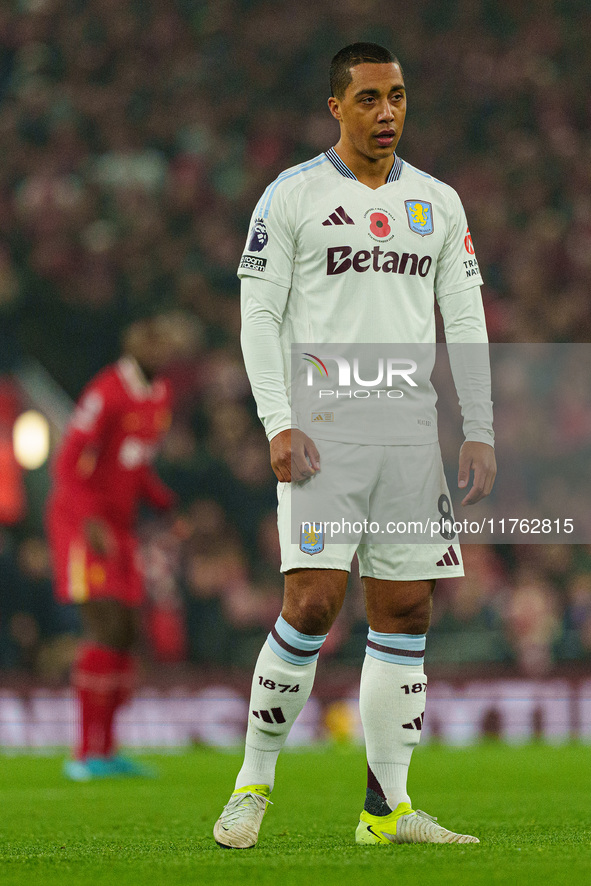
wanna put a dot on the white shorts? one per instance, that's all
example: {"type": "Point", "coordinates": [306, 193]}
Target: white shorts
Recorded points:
{"type": "Point", "coordinates": [363, 496]}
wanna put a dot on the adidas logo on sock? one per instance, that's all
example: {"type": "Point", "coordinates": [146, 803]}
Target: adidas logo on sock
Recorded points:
{"type": "Point", "coordinates": [339, 217]}
{"type": "Point", "coordinates": [450, 558]}
{"type": "Point", "coordinates": [274, 716]}
{"type": "Point", "coordinates": [417, 723]}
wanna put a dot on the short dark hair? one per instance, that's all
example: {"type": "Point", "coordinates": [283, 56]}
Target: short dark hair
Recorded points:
{"type": "Point", "coordinates": [356, 54]}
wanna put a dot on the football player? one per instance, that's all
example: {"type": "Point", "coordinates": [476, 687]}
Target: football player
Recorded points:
{"type": "Point", "coordinates": [353, 247]}
{"type": "Point", "coordinates": [101, 473]}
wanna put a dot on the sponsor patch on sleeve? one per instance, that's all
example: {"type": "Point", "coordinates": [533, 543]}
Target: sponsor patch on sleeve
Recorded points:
{"type": "Point", "coordinates": [253, 263]}
{"type": "Point", "coordinates": [471, 268]}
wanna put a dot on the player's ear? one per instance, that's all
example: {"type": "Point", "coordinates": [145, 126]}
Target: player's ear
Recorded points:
{"type": "Point", "coordinates": [334, 107]}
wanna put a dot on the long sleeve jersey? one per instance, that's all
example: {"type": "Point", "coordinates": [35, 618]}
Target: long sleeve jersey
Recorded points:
{"type": "Point", "coordinates": [103, 467]}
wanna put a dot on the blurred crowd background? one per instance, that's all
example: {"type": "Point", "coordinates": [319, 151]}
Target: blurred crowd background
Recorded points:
{"type": "Point", "coordinates": [136, 136]}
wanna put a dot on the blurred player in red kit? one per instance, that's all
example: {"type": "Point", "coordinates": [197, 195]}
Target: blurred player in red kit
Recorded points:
{"type": "Point", "coordinates": [101, 474]}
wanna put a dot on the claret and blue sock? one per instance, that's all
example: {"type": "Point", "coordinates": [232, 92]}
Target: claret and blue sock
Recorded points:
{"type": "Point", "coordinates": [392, 706]}
{"type": "Point", "coordinates": [282, 683]}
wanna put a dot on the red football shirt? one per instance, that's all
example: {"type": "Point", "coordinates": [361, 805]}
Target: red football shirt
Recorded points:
{"type": "Point", "coordinates": [103, 465]}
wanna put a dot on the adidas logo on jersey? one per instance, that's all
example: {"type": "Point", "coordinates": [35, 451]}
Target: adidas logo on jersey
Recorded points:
{"type": "Point", "coordinates": [323, 416]}
{"type": "Point", "coordinates": [450, 558]}
{"type": "Point", "coordinates": [339, 217]}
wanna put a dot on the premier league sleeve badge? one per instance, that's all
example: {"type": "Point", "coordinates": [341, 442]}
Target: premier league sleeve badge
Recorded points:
{"type": "Point", "coordinates": [258, 236]}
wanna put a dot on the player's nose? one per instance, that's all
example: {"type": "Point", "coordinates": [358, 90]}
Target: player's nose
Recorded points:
{"type": "Point", "coordinates": [385, 112]}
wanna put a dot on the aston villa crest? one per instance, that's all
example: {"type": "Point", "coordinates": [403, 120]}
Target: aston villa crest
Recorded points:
{"type": "Point", "coordinates": [420, 216]}
{"type": "Point", "coordinates": [312, 538]}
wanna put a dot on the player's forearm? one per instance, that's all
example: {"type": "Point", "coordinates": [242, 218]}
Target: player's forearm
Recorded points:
{"type": "Point", "coordinates": [263, 304]}
{"type": "Point", "coordinates": [84, 437]}
{"type": "Point", "coordinates": [76, 459]}
{"type": "Point", "coordinates": [156, 492]}
{"type": "Point", "coordinates": [467, 340]}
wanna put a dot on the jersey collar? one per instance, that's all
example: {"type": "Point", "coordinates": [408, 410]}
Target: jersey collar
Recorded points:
{"type": "Point", "coordinates": [344, 170]}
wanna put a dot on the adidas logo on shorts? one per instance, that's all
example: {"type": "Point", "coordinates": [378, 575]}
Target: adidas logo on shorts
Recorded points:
{"type": "Point", "coordinates": [450, 558]}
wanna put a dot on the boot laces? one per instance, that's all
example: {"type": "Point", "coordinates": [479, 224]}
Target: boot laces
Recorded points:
{"type": "Point", "coordinates": [422, 814]}
{"type": "Point", "coordinates": [241, 804]}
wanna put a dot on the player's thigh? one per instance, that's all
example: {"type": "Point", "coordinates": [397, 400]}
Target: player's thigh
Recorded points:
{"type": "Point", "coordinates": [412, 495]}
{"type": "Point", "coordinates": [121, 578]}
{"type": "Point", "coordinates": [79, 573]}
{"type": "Point", "coordinates": [314, 549]}
{"type": "Point", "coordinates": [410, 502]}
{"type": "Point", "coordinates": [321, 520]}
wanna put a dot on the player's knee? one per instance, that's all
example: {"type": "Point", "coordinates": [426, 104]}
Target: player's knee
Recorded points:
{"type": "Point", "coordinates": [108, 623]}
{"type": "Point", "coordinates": [417, 624]}
{"type": "Point", "coordinates": [312, 615]}
{"type": "Point", "coordinates": [113, 635]}
{"type": "Point", "coordinates": [403, 617]}
{"type": "Point", "coordinates": [124, 634]}
{"type": "Point", "coordinates": [415, 616]}
{"type": "Point", "coordinates": [313, 599]}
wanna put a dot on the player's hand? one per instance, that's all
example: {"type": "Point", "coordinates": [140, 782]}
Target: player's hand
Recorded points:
{"type": "Point", "coordinates": [479, 458]}
{"type": "Point", "coordinates": [99, 537]}
{"type": "Point", "coordinates": [293, 456]}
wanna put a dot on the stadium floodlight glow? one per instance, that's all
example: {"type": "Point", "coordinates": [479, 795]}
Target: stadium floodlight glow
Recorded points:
{"type": "Point", "coordinates": [30, 439]}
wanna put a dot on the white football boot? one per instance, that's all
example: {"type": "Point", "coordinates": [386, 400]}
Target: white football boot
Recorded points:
{"type": "Point", "coordinates": [239, 824]}
{"type": "Point", "coordinates": [405, 825]}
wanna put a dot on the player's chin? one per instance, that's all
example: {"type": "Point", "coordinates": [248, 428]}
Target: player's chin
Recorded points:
{"type": "Point", "coordinates": [380, 152]}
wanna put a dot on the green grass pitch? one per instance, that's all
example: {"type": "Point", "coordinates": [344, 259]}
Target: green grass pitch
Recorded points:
{"type": "Point", "coordinates": [530, 806]}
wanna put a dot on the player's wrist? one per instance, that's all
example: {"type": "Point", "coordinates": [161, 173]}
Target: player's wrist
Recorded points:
{"type": "Point", "coordinates": [280, 430]}
{"type": "Point", "coordinates": [486, 437]}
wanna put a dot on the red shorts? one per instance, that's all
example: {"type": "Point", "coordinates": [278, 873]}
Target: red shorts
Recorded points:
{"type": "Point", "coordinates": [80, 574]}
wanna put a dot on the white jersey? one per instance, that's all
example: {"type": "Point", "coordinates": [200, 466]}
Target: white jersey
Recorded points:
{"type": "Point", "coordinates": [361, 265]}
